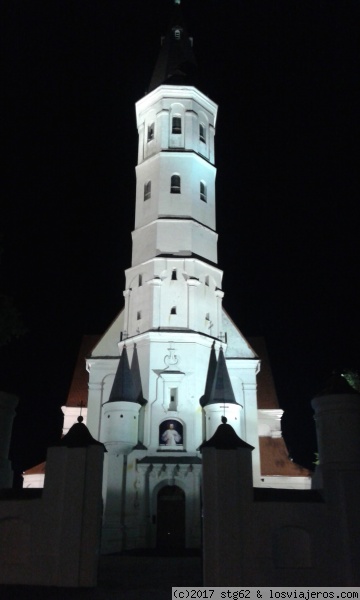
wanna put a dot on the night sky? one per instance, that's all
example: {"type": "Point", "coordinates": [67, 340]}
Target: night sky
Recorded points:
{"type": "Point", "coordinates": [286, 77]}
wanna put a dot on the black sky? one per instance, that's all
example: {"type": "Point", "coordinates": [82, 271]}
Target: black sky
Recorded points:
{"type": "Point", "coordinates": [286, 77]}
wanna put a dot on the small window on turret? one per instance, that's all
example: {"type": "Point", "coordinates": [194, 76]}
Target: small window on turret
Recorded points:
{"type": "Point", "coordinates": [206, 279]}
{"type": "Point", "coordinates": [176, 125]}
{"type": "Point", "coordinates": [147, 190]}
{"type": "Point", "coordinates": [140, 280]}
{"type": "Point", "coordinates": [203, 195]}
{"type": "Point", "coordinates": [174, 275]}
{"type": "Point", "coordinates": [202, 133]}
{"type": "Point", "coordinates": [175, 186]}
{"type": "Point", "coordinates": [173, 310]}
{"type": "Point", "coordinates": [138, 315]}
{"type": "Point", "coordinates": [177, 34]}
{"type": "Point", "coordinates": [151, 132]}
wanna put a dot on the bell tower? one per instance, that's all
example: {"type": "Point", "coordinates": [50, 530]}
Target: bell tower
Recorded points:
{"type": "Point", "coordinates": [183, 363]}
{"type": "Point", "coordinates": [173, 281]}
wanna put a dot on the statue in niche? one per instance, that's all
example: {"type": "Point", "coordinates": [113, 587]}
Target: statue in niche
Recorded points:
{"type": "Point", "coordinates": [170, 433]}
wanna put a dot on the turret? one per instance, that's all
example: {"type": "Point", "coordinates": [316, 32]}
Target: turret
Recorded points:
{"type": "Point", "coordinates": [120, 415]}
{"type": "Point", "coordinates": [219, 399]}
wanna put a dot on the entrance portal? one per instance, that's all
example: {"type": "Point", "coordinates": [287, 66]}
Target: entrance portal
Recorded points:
{"type": "Point", "coordinates": [170, 534]}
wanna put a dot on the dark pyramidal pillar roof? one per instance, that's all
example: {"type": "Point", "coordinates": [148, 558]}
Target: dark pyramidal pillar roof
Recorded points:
{"type": "Point", "coordinates": [79, 436]}
{"type": "Point", "coordinates": [225, 438]}
{"type": "Point", "coordinates": [176, 64]}
{"type": "Point", "coordinates": [337, 384]}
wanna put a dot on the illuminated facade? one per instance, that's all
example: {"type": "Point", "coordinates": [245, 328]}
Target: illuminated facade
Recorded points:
{"type": "Point", "coordinates": [183, 363]}
{"type": "Point", "coordinates": [173, 330]}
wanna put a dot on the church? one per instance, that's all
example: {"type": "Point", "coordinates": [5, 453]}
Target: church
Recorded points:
{"type": "Point", "coordinates": [173, 362]}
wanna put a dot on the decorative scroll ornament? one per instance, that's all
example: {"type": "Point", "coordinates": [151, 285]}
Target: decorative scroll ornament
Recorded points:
{"type": "Point", "coordinates": [171, 359]}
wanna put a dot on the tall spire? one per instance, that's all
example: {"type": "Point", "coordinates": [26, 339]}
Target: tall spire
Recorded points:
{"type": "Point", "coordinates": [176, 64]}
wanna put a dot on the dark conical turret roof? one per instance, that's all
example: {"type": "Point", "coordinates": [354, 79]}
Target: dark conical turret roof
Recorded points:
{"type": "Point", "coordinates": [135, 372]}
{"type": "Point", "coordinates": [210, 376]}
{"type": "Point", "coordinates": [176, 64]}
{"type": "Point", "coordinates": [221, 390]}
{"type": "Point", "coordinates": [123, 389]}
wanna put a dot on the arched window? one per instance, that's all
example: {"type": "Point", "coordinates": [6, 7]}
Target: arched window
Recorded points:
{"type": "Point", "coordinates": [173, 310]}
{"type": "Point", "coordinates": [203, 191]}
{"type": "Point", "coordinates": [175, 185]}
{"type": "Point", "coordinates": [202, 133]}
{"type": "Point", "coordinates": [147, 190]}
{"type": "Point", "coordinates": [176, 124]}
{"type": "Point", "coordinates": [174, 275]}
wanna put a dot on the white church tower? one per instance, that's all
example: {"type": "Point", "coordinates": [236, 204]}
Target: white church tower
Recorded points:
{"type": "Point", "coordinates": [183, 364]}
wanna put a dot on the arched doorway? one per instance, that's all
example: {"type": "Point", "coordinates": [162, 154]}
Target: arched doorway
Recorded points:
{"type": "Point", "coordinates": [170, 531]}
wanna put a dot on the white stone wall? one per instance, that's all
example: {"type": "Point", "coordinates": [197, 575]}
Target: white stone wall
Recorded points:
{"type": "Point", "coordinates": [173, 313]}
{"type": "Point", "coordinates": [176, 237]}
{"type": "Point", "coordinates": [160, 106]}
{"type": "Point", "coordinates": [192, 169]}
{"type": "Point", "coordinates": [172, 293]}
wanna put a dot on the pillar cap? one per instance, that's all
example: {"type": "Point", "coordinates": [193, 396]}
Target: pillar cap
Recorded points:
{"type": "Point", "coordinates": [225, 438]}
{"type": "Point", "coordinates": [337, 385]}
{"type": "Point", "coordinates": [79, 436]}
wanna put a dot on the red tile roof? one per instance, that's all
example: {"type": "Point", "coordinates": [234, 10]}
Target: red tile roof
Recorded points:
{"type": "Point", "coordinates": [37, 470]}
{"type": "Point", "coordinates": [266, 393]}
{"type": "Point", "coordinates": [274, 459]}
